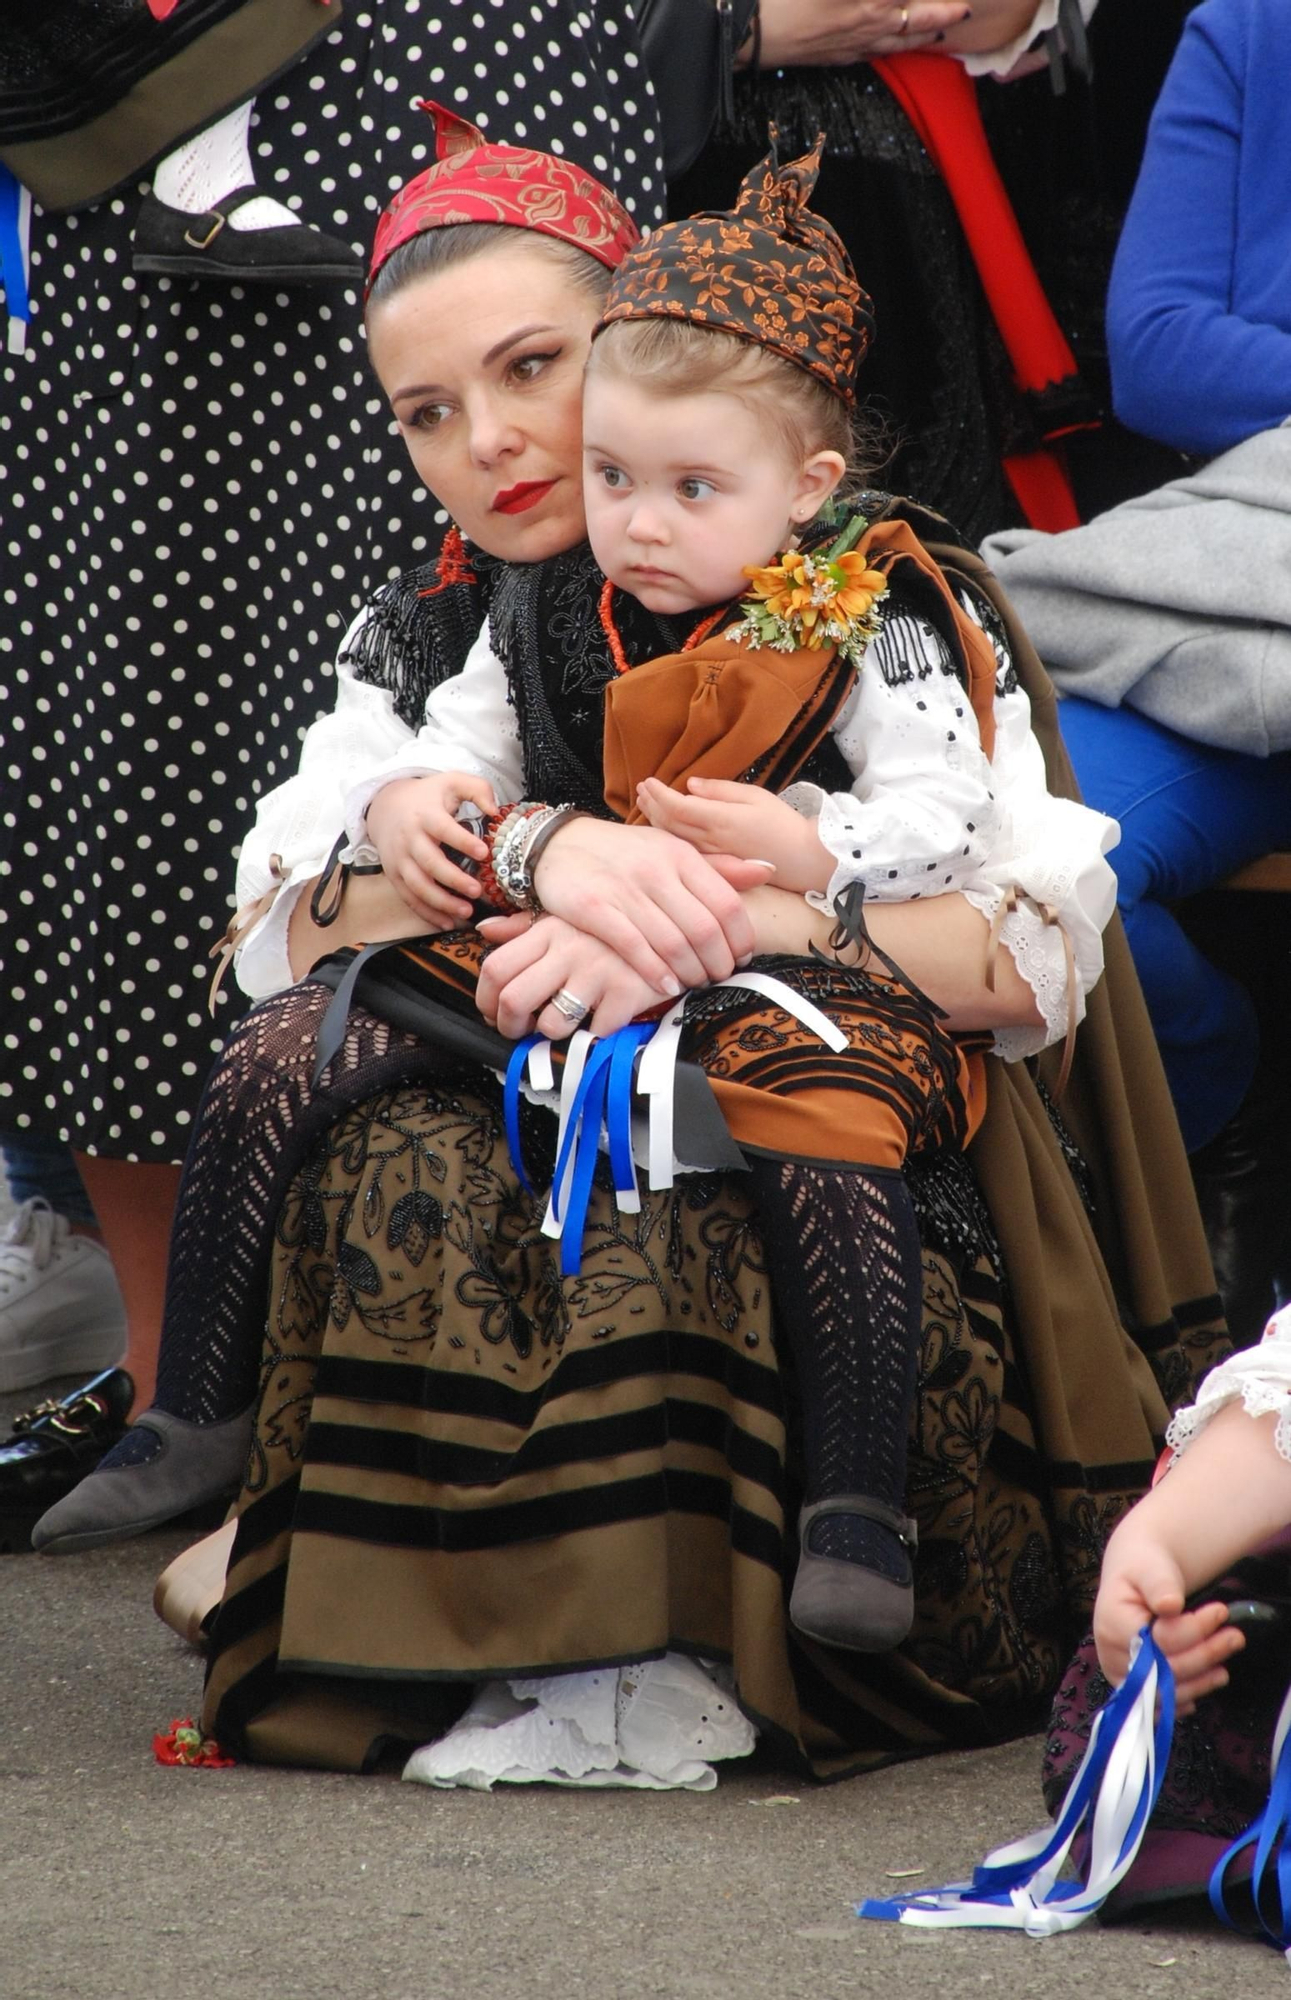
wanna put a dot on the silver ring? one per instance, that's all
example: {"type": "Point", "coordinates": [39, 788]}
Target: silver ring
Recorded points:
{"type": "Point", "coordinates": [569, 1005]}
{"type": "Point", "coordinates": [905, 20]}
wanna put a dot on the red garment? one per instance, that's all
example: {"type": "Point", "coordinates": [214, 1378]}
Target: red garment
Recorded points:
{"type": "Point", "coordinates": [938, 97]}
{"type": "Point", "coordinates": [475, 181]}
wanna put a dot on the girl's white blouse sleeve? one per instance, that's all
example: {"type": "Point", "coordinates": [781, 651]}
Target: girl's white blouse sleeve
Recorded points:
{"type": "Point", "coordinates": [1257, 1377]}
{"type": "Point", "coordinates": [470, 725]}
{"type": "Point", "coordinates": [1053, 852]}
{"type": "Point", "coordinates": [929, 815]}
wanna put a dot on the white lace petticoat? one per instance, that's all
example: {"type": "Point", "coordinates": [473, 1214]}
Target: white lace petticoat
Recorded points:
{"type": "Point", "coordinates": [1260, 1376]}
{"type": "Point", "coordinates": [657, 1725]}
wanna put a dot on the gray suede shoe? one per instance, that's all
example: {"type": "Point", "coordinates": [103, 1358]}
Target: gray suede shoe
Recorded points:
{"type": "Point", "coordinates": [844, 1603]}
{"type": "Point", "coordinates": [196, 1463]}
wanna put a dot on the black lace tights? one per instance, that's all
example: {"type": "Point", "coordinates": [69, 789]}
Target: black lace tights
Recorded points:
{"type": "Point", "coordinates": [257, 1121]}
{"type": "Point", "coordinates": [845, 1268]}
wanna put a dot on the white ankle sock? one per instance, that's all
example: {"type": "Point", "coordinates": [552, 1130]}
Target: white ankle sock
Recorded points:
{"type": "Point", "coordinates": [205, 169]}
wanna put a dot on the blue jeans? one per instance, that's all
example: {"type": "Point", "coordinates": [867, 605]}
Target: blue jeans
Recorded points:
{"type": "Point", "coordinates": [1189, 816]}
{"type": "Point", "coordinates": [35, 1165]}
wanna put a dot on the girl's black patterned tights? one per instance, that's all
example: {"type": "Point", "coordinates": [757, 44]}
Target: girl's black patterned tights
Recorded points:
{"type": "Point", "coordinates": [843, 1250]}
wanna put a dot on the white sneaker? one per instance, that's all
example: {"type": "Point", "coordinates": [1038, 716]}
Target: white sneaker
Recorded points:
{"type": "Point", "coordinates": [61, 1310]}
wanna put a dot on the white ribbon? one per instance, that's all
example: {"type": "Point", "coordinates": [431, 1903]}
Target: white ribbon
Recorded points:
{"type": "Point", "coordinates": [1128, 1782]}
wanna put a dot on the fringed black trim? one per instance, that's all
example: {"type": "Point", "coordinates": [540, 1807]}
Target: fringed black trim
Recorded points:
{"type": "Point", "coordinates": [410, 642]}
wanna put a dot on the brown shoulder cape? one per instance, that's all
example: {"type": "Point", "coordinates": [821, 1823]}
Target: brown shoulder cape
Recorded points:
{"type": "Point", "coordinates": [1139, 1282]}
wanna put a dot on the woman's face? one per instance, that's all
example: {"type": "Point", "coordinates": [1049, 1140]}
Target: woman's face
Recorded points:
{"type": "Point", "coordinates": [483, 367]}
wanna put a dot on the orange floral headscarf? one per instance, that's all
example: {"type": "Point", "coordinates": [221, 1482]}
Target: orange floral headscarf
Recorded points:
{"type": "Point", "coordinates": [769, 271]}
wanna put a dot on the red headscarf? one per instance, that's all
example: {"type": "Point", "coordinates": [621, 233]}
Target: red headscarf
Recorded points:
{"type": "Point", "coordinates": [473, 180]}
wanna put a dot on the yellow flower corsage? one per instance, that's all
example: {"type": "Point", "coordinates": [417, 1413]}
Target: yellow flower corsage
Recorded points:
{"type": "Point", "coordinates": [806, 600]}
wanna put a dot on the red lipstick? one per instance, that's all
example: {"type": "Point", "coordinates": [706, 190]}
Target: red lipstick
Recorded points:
{"type": "Point", "coordinates": [519, 499]}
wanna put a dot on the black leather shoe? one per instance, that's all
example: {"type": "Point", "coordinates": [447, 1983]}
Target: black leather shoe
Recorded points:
{"type": "Point", "coordinates": [51, 1448]}
{"type": "Point", "coordinates": [175, 244]}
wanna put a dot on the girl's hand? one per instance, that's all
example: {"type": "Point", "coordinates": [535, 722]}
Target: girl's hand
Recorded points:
{"type": "Point", "coordinates": [1142, 1583]}
{"type": "Point", "coordinates": [718, 817]}
{"type": "Point", "coordinates": [410, 822]}
{"type": "Point", "coordinates": [535, 961]}
{"type": "Point", "coordinates": [831, 33]}
{"type": "Point", "coordinates": [657, 903]}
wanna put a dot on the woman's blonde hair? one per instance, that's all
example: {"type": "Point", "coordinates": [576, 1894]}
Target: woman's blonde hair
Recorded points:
{"type": "Point", "coordinates": [674, 357]}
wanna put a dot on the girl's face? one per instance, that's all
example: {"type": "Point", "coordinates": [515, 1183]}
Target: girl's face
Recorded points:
{"type": "Point", "coordinates": [483, 367]}
{"type": "Point", "coordinates": [683, 491]}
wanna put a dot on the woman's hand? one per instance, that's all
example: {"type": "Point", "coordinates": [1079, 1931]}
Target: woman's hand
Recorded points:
{"type": "Point", "coordinates": [535, 961]}
{"type": "Point", "coordinates": [658, 904]}
{"type": "Point", "coordinates": [832, 33]}
{"type": "Point", "coordinates": [837, 32]}
{"type": "Point", "coordinates": [717, 817]}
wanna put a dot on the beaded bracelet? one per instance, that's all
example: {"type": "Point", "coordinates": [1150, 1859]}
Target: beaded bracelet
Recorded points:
{"type": "Point", "coordinates": [490, 889]}
{"type": "Point", "coordinates": [539, 832]}
{"type": "Point", "coordinates": [508, 884]}
{"type": "Point", "coordinates": [516, 854]}
{"type": "Point", "coordinates": [515, 838]}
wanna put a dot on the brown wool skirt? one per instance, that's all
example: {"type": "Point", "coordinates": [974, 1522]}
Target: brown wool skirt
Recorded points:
{"type": "Point", "coordinates": [467, 1466]}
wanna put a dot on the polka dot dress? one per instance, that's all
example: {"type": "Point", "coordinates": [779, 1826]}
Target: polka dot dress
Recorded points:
{"type": "Point", "coordinates": [198, 486]}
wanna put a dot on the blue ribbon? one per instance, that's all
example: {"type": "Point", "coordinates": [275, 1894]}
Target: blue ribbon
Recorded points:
{"type": "Point", "coordinates": [511, 1106]}
{"type": "Point", "coordinates": [603, 1098]}
{"type": "Point", "coordinates": [13, 267]}
{"type": "Point", "coordinates": [994, 1886]}
{"type": "Point", "coordinates": [1267, 1835]}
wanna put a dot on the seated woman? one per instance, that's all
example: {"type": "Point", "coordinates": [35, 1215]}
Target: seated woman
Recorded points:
{"type": "Point", "coordinates": [493, 1466]}
{"type": "Point", "coordinates": [1164, 622]}
{"type": "Point", "coordinates": [715, 441]}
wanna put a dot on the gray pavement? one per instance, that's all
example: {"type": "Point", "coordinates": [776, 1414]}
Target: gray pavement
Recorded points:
{"type": "Point", "coordinates": [119, 1877]}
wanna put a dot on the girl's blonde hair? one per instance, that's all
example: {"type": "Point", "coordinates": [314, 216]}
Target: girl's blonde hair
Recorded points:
{"type": "Point", "coordinates": [674, 357]}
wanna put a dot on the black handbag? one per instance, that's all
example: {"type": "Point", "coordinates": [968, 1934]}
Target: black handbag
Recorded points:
{"type": "Point", "coordinates": [689, 48]}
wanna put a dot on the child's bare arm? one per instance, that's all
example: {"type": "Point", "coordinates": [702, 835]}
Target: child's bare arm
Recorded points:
{"type": "Point", "coordinates": [1224, 1496]}
{"type": "Point", "coordinates": [373, 909]}
{"type": "Point", "coordinates": [718, 817]}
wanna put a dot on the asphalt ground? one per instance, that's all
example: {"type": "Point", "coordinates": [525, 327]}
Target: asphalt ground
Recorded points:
{"type": "Point", "coordinates": [120, 1877]}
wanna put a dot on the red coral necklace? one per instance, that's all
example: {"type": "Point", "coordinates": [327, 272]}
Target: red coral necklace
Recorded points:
{"type": "Point", "coordinates": [621, 662]}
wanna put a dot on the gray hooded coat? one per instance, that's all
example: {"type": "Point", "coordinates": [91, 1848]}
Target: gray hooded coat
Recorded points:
{"type": "Point", "coordinates": [1177, 603]}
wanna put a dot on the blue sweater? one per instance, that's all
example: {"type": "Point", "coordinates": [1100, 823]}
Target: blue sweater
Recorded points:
{"type": "Point", "coordinates": [1199, 310]}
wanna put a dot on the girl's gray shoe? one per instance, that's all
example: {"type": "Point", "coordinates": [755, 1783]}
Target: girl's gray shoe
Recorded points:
{"type": "Point", "coordinates": [195, 1464]}
{"type": "Point", "coordinates": [844, 1603]}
